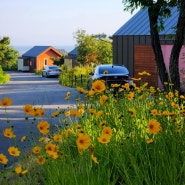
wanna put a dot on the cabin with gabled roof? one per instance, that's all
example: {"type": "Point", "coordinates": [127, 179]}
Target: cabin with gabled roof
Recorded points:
{"type": "Point", "coordinates": [132, 45]}
{"type": "Point", "coordinates": [37, 57]}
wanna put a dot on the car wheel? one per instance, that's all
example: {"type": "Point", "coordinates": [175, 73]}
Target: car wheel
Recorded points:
{"type": "Point", "coordinates": [47, 76]}
{"type": "Point", "coordinates": [42, 74]}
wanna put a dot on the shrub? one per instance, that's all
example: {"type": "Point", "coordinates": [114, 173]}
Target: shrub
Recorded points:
{"type": "Point", "coordinates": [74, 77]}
{"type": "Point", "coordinates": [39, 72]}
{"type": "Point", "coordinates": [3, 76]}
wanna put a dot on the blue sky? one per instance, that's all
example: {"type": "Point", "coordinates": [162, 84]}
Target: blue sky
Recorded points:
{"type": "Point", "coordinates": [54, 22]}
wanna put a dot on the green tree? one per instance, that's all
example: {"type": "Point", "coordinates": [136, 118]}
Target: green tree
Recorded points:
{"type": "Point", "coordinates": [179, 40]}
{"type": "Point", "coordinates": [58, 61]}
{"type": "Point", "coordinates": [93, 49]}
{"type": "Point", "coordinates": [157, 10]}
{"type": "Point", "coordinates": [104, 52]}
{"type": "Point", "coordinates": [8, 55]}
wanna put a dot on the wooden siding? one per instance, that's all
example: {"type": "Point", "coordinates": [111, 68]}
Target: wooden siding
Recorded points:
{"type": "Point", "coordinates": [48, 54]}
{"type": "Point", "coordinates": [144, 60]}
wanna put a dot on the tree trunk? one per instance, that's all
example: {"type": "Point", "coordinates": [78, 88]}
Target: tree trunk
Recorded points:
{"type": "Point", "coordinates": [179, 39]}
{"type": "Point", "coordinates": [153, 13]}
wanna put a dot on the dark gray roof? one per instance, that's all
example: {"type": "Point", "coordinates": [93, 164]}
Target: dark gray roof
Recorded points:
{"type": "Point", "coordinates": [139, 24]}
{"type": "Point", "coordinates": [35, 51]}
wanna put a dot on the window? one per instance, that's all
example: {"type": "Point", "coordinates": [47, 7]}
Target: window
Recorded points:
{"type": "Point", "coordinates": [26, 63]}
{"type": "Point", "coordinates": [45, 61]}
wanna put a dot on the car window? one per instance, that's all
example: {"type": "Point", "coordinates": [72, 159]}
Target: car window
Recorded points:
{"type": "Point", "coordinates": [113, 70]}
{"type": "Point", "coordinates": [53, 67]}
{"type": "Point", "coordinates": [96, 70]}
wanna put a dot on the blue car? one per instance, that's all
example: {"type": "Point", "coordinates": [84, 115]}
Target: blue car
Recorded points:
{"type": "Point", "coordinates": [111, 74]}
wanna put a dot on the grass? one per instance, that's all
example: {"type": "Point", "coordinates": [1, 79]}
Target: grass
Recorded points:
{"type": "Point", "coordinates": [132, 137]}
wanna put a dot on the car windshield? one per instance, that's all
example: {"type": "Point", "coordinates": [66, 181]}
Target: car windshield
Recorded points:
{"type": "Point", "coordinates": [53, 67]}
{"type": "Point", "coordinates": [113, 70]}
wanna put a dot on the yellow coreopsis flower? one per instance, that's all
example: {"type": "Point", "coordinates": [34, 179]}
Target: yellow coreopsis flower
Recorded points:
{"type": "Point", "coordinates": [78, 126]}
{"type": "Point", "coordinates": [154, 126]}
{"type": "Point", "coordinates": [170, 95]}
{"type": "Point", "coordinates": [55, 114]}
{"type": "Point", "coordinates": [102, 123]}
{"type": "Point", "coordinates": [36, 150]}
{"type": "Point", "coordinates": [130, 96]}
{"type": "Point", "coordinates": [41, 112]}
{"type": "Point", "coordinates": [3, 159]}
{"type": "Point", "coordinates": [83, 141]}
{"type": "Point", "coordinates": [43, 127]}
{"type": "Point", "coordinates": [115, 85]}
{"type": "Point", "coordinates": [175, 105]}
{"type": "Point", "coordinates": [81, 90]}
{"type": "Point", "coordinates": [92, 155]}
{"type": "Point", "coordinates": [104, 139]}
{"type": "Point", "coordinates": [99, 114]}
{"type": "Point", "coordinates": [52, 147]}
{"type": "Point", "coordinates": [161, 103]}
{"type": "Point", "coordinates": [52, 154]}
{"type": "Point", "coordinates": [103, 99]}
{"type": "Point", "coordinates": [28, 109]}
{"type": "Point", "coordinates": [68, 94]}
{"type": "Point", "coordinates": [107, 131]}
{"type": "Point", "coordinates": [44, 139]}
{"type": "Point", "coordinates": [82, 131]}
{"type": "Point", "coordinates": [66, 133]}
{"type": "Point", "coordinates": [67, 113]}
{"type": "Point", "coordinates": [152, 89]}
{"type": "Point", "coordinates": [8, 132]}
{"type": "Point", "coordinates": [6, 102]}
{"type": "Point", "coordinates": [94, 159]}
{"type": "Point", "coordinates": [81, 106]}
{"type": "Point", "coordinates": [91, 93]}
{"type": "Point", "coordinates": [145, 84]}
{"type": "Point", "coordinates": [165, 113]}
{"type": "Point", "coordinates": [92, 111]}
{"type": "Point", "coordinates": [23, 138]}
{"type": "Point", "coordinates": [14, 151]}
{"type": "Point", "coordinates": [20, 171]}
{"type": "Point", "coordinates": [74, 113]}
{"type": "Point", "coordinates": [81, 111]}
{"type": "Point", "coordinates": [64, 120]}
{"type": "Point", "coordinates": [182, 97]}
{"type": "Point", "coordinates": [149, 141]}
{"type": "Point", "coordinates": [98, 86]}
{"type": "Point", "coordinates": [41, 160]}
{"type": "Point", "coordinates": [126, 86]}
{"type": "Point", "coordinates": [132, 112]}
{"type": "Point", "coordinates": [57, 137]}
{"type": "Point", "coordinates": [154, 112]}
{"type": "Point", "coordinates": [144, 73]}
{"type": "Point", "coordinates": [119, 116]}
{"type": "Point", "coordinates": [136, 79]}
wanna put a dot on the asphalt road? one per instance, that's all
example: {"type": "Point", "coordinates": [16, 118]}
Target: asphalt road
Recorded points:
{"type": "Point", "coordinates": [28, 88]}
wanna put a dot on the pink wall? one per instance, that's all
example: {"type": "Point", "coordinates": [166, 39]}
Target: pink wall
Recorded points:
{"type": "Point", "coordinates": [166, 49]}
